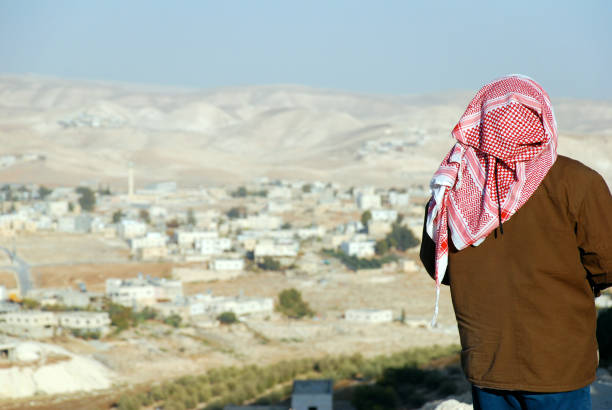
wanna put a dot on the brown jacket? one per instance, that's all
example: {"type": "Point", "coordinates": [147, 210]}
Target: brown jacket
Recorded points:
{"type": "Point", "coordinates": [524, 300]}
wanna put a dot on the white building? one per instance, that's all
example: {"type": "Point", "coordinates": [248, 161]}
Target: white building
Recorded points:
{"type": "Point", "coordinates": [368, 201]}
{"type": "Point", "coordinates": [369, 315]}
{"type": "Point", "coordinates": [57, 208]}
{"type": "Point", "coordinates": [225, 264]}
{"type": "Point", "coordinates": [85, 321]}
{"type": "Point", "coordinates": [128, 229]}
{"type": "Point", "coordinates": [138, 292]}
{"type": "Point", "coordinates": [385, 215]}
{"type": "Point", "coordinates": [263, 222]}
{"type": "Point", "coordinates": [240, 305]}
{"type": "Point", "coordinates": [399, 199]}
{"type": "Point", "coordinates": [130, 294]}
{"type": "Point", "coordinates": [213, 246]}
{"type": "Point", "coordinates": [29, 323]}
{"type": "Point", "coordinates": [312, 394]}
{"type": "Point", "coordinates": [74, 224]}
{"type": "Point", "coordinates": [312, 232]}
{"type": "Point", "coordinates": [276, 248]}
{"type": "Point", "coordinates": [279, 207]}
{"type": "Point", "coordinates": [360, 249]}
{"type": "Point", "coordinates": [151, 240]}
{"type": "Point", "coordinates": [186, 239]}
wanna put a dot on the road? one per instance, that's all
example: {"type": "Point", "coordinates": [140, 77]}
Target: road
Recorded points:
{"type": "Point", "coordinates": [22, 269]}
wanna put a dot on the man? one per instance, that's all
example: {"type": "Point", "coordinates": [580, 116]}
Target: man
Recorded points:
{"type": "Point", "coordinates": [524, 239]}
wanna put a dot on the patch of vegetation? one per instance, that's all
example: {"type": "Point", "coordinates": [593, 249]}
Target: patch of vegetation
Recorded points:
{"type": "Point", "coordinates": [228, 318]}
{"type": "Point", "coordinates": [290, 304]}
{"type": "Point", "coordinates": [237, 212]}
{"type": "Point", "coordinates": [355, 263]}
{"type": "Point", "coordinates": [87, 198]}
{"type": "Point", "coordinates": [400, 238]}
{"type": "Point", "coordinates": [86, 334]}
{"type": "Point", "coordinates": [173, 320]}
{"type": "Point", "coordinates": [399, 381]}
{"type": "Point", "coordinates": [269, 263]}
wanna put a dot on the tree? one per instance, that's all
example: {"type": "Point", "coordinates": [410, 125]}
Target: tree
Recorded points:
{"type": "Point", "coordinates": [236, 212]}
{"type": "Point", "coordinates": [365, 218]}
{"type": "Point", "coordinates": [44, 192]}
{"type": "Point", "coordinates": [87, 200]}
{"type": "Point", "coordinates": [381, 247]}
{"type": "Point", "coordinates": [290, 303]}
{"type": "Point", "coordinates": [144, 215]}
{"type": "Point", "coordinates": [402, 237]}
{"type": "Point", "coordinates": [227, 318]}
{"type": "Point", "coordinates": [269, 263]}
{"type": "Point", "coordinates": [286, 226]}
{"type": "Point", "coordinates": [306, 188]}
{"type": "Point", "coordinates": [191, 219]}
{"type": "Point", "coordinates": [240, 193]}
{"type": "Point", "coordinates": [173, 320]}
{"type": "Point", "coordinates": [117, 216]}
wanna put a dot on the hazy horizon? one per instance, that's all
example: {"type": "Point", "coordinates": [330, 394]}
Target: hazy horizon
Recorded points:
{"type": "Point", "coordinates": [393, 48]}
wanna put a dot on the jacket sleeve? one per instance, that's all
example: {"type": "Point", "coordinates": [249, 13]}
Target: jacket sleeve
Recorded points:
{"type": "Point", "coordinates": [428, 253]}
{"type": "Point", "coordinates": [594, 234]}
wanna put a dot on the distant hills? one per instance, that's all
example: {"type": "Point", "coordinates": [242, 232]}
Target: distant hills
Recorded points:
{"type": "Point", "coordinates": [90, 131]}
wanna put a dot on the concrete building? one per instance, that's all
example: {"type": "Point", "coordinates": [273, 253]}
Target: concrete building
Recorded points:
{"type": "Point", "coordinates": [152, 253]}
{"type": "Point", "coordinates": [312, 232]}
{"type": "Point", "coordinates": [65, 297]}
{"type": "Point", "coordinates": [85, 321]}
{"type": "Point", "coordinates": [385, 215]}
{"type": "Point", "coordinates": [128, 229]}
{"type": "Point", "coordinates": [312, 395]}
{"type": "Point", "coordinates": [360, 249]}
{"type": "Point", "coordinates": [150, 240]}
{"type": "Point", "coordinates": [399, 199]}
{"type": "Point", "coordinates": [187, 240]}
{"type": "Point", "coordinates": [139, 292]}
{"type": "Point", "coordinates": [74, 224]}
{"type": "Point", "coordinates": [213, 246]}
{"type": "Point", "coordinates": [368, 201]}
{"type": "Point", "coordinates": [369, 315]}
{"type": "Point", "coordinates": [281, 248]}
{"type": "Point", "coordinates": [29, 323]}
{"type": "Point", "coordinates": [240, 305]}
{"type": "Point", "coordinates": [57, 208]}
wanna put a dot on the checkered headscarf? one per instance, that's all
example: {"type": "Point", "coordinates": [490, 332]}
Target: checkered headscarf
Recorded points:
{"type": "Point", "coordinates": [506, 143]}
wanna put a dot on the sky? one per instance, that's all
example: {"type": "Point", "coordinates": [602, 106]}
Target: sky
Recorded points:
{"type": "Point", "coordinates": [382, 47]}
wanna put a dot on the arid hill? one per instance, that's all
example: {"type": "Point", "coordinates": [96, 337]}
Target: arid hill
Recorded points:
{"type": "Point", "coordinates": [56, 131]}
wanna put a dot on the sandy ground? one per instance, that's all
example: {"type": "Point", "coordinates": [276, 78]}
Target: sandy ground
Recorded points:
{"type": "Point", "coordinates": [94, 275]}
{"type": "Point", "coordinates": [8, 279]}
{"type": "Point", "coordinates": [61, 248]}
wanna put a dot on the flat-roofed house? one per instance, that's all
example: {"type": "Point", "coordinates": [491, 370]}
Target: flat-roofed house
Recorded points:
{"type": "Point", "coordinates": [312, 395]}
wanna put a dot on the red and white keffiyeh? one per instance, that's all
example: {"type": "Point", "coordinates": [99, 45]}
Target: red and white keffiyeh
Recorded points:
{"type": "Point", "coordinates": [509, 125]}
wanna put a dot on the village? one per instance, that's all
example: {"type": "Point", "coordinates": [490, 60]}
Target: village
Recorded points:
{"type": "Point", "coordinates": [255, 273]}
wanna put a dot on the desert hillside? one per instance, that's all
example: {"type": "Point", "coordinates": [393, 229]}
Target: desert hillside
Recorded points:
{"type": "Point", "coordinates": [55, 131]}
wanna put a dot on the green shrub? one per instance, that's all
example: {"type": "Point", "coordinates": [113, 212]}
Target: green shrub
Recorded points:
{"type": "Point", "coordinates": [227, 318]}
{"type": "Point", "coordinates": [173, 320]}
{"type": "Point", "coordinates": [128, 403]}
{"type": "Point", "coordinates": [291, 304]}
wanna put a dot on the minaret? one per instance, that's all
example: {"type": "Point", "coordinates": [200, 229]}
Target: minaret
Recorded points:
{"type": "Point", "coordinates": [130, 179]}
